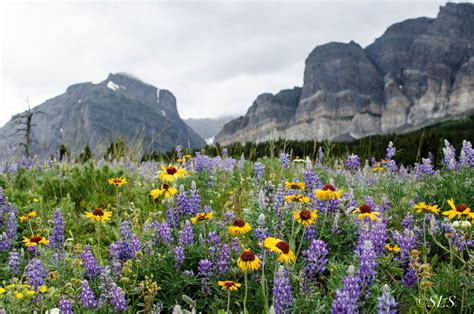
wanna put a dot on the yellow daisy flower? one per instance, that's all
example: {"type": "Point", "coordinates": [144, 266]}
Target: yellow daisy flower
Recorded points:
{"type": "Point", "coordinates": [118, 181]}
{"type": "Point", "coordinates": [43, 289]}
{"type": "Point", "coordinates": [457, 211]}
{"type": "Point", "coordinates": [285, 255]}
{"type": "Point", "coordinates": [305, 216]}
{"type": "Point", "coordinates": [2, 290]}
{"type": "Point", "coordinates": [35, 240]}
{"type": "Point", "coordinates": [296, 198]}
{"type": "Point", "coordinates": [27, 216]}
{"type": "Point", "coordinates": [201, 217]}
{"type": "Point", "coordinates": [229, 285]}
{"type": "Point", "coordinates": [170, 173]}
{"type": "Point", "coordinates": [392, 248]}
{"type": "Point", "coordinates": [239, 227]}
{"type": "Point", "coordinates": [294, 185]}
{"type": "Point", "coordinates": [165, 189]}
{"type": "Point", "coordinates": [98, 214]}
{"type": "Point", "coordinates": [30, 293]}
{"type": "Point", "coordinates": [19, 295]}
{"type": "Point", "coordinates": [378, 169]}
{"type": "Point", "coordinates": [328, 192]}
{"type": "Point", "coordinates": [422, 207]}
{"type": "Point", "coordinates": [248, 261]}
{"type": "Point", "coordinates": [35, 200]}
{"type": "Point", "coordinates": [365, 211]}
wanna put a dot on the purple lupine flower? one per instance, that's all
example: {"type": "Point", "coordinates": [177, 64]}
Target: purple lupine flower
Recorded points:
{"type": "Point", "coordinates": [179, 256]}
{"type": "Point", "coordinates": [387, 303]}
{"type": "Point", "coordinates": [107, 284]}
{"type": "Point", "coordinates": [407, 222]}
{"type": "Point", "coordinates": [11, 225]}
{"type": "Point", "coordinates": [353, 163]}
{"type": "Point", "coordinates": [36, 273]}
{"type": "Point", "coordinates": [310, 233]}
{"type": "Point", "coordinates": [205, 272]}
{"type": "Point", "coordinates": [425, 168]}
{"type": "Point", "coordinates": [14, 260]}
{"type": "Point", "coordinates": [367, 265]}
{"type": "Point", "coordinates": [135, 244]}
{"type": "Point", "coordinates": [466, 158]}
{"type": "Point", "coordinates": [311, 181]}
{"type": "Point", "coordinates": [213, 238]}
{"type": "Point", "coordinates": [261, 233]}
{"type": "Point", "coordinates": [163, 233]}
{"type": "Point", "coordinates": [182, 202]}
{"type": "Point", "coordinates": [179, 151]}
{"type": "Point", "coordinates": [282, 294]}
{"type": "Point", "coordinates": [284, 160]}
{"type": "Point", "coordinates": [406, 242]}
{"type": "Point", "coordinates": [88, 298]}
{"type": "Point", "coordinates": [315, 259]}
{"type": "Point", "coordinates": [118, 300]}
{"type": "Point", "coordinates": [410, 278]}
{"type": "Point", "coordinates": [229, 217]}
{"type": "Point", "coordinates": [223, 260]}
{"type": "Point", "coordinates": [259, 170]}
{"type": "Point", "coordinates": [379, 235]}
{"type": "Point", "coordinates": [91, 265]}
{"type": "Point", "coordinates": [126, 230]}
{"type": "Point", "coordinates": [194, 201]}
{"type": "Point", "coordinates": [171, 214]}
{"type": "Point", "coordinates": [391, 151]}
{"type": "Point", "coordinates": [449, 159]}
{"type": "Point", "coordinates": [65, 306]}
{"type": "Point", "coordinates": [57, 239]}
{"type": "Point", "coordinates": [348, 296]}
{"type": "Point", "coordinates": [186, 236]}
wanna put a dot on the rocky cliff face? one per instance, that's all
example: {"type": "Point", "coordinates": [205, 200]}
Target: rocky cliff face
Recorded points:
{"type": "Point", "coordinates": [419, 72]}
{"type": "Point", "coordinates": [120, 107]}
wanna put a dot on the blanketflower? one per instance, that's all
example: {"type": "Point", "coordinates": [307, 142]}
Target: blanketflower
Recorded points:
{"type": "Point", "coordinates": [294, 185]}
{"type": "Point", "coordinates": [170, 173]}
{"type": "Point", "coordinates": [365, 211]}
{"type": "Point", "coordinates": [201, 217]}
{"type": "Point", "coordinates": [458, 211]}
{"type": "Point", "coordinates": [118, 181]}
{"type": "Point", "coordinates": [165, 189]}
{"type": "Point", "coordinates": [27, 216]}
{"type": "Point", "coordinates": [328, 192]}
{"type": "Point", "coordinates": [35, 240]}
{"type": "Point", "coordinates": [239, 227]}
{"type": "Point", "coordinates": [422, 207]}
{"type": "Point", "coordinates": [305, 216]}
{"type": "Point", "coordinates": [248, 261]}
{"type": "Point", "coordinates": [296, 198]}
{"type": "Point", "coordinates": [392, 248]}
{"type": "Point", "coordinates": [285, 255]}
{"type": "Point", "coordinates": [229, 285]}
{"type": "Point", "coordinates": [98, 214]}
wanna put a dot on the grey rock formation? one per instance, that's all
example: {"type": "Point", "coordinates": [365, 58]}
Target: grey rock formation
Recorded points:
{"type": "Point", "coordinates": [208, 128]}
{"type": "Point", "coordinates": [120, 107]}
{"type": "Point", "coordinates": [418, 72]}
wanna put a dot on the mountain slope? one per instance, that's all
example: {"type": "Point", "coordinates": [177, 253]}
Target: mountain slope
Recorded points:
{"type": "Point", "coordinates": [208, 128]}
{"type": "Point", "coordinates": [418, 72]}
{"type": "Point", "coordinates": [120, 107]}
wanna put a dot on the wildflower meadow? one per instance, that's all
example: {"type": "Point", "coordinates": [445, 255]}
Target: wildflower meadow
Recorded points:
{"type": "Point", "coordinates": [200, 234]}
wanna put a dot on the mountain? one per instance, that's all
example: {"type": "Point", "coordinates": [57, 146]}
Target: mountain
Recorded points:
{"type": "Point", "coordinates": [120, 107]}
{"type": "Point", "coordinates": [419, 72]}
{"type": "Point", "coordinates": [208, 128]}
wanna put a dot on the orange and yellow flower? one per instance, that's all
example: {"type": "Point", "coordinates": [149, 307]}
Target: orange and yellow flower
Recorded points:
{"type": "Point", "coordinates": [294, 185]}
{"type": "Point", "coordinates": [285, 254]}
{"type": "Point", "coordinates": [201, 217]}
{"type": "Point", "coordinates": [296, 198]}
{"type": "Point", "coordinates": [458, 211]}
{"type": "Point", "coordinates": [165, 189]}
{"type": "Point", "coordinates": [171, 173]}
{"type": "Point", "coordinates": [248, 261]}
{"type": "Point", "coordinates": [422, 207]}
{"type": "Point", "coordinates": [328, 192]}
{"type": "Point", "coordinates": [98, 214]}
{"type": "Point", "coordinates": [392, 248]}
{"type": "Point", "coordinates": [305, 217]}
{"type": "Point", "coordinates": [35, 240]}
{"type": "Point", "coordinates": [28, 216]}
{"type": "Point", "coordinates": [118, 181]}
{"type": "Point", "coordinates": [229, 285]}
{"type": "Point", "coordinates": [365, 211]}
{"type": "Point", "coordinates": [239, 227]}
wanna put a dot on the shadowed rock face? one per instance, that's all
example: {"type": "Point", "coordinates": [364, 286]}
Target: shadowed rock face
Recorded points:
{"type": "Point", "coordinates": [418, 72]}
{"type": "Point", "coordinates": [121, 107]}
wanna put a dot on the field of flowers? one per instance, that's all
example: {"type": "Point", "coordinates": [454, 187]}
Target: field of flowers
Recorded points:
{"type": "Point", "coordinates": [219, 235]}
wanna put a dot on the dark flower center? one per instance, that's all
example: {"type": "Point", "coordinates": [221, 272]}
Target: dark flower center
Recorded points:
{"type": "Point", "coordinates": [239, 223]}
{"type": "Point", "coordinates": [165, 186]}
{"type": "Point", "coordinates": [117, 181]}
{"type": "Point", "coordinates": [171, 170]}
{"type": "Point", "coordinates": [305, 214]}
{"type": "Point", "coordinates": [35, 239]}
{"type": "Point", "coordinates": [294, 186]}
{"type": "Point", "coordinates": [328, 187]}
{"type": "Point", "coordinates": [201, 217]}
{"type": "Point", "coordinates": [229, 284]}
{"type": "Point", "coordinates": [460, 208]}
{"type": "Point", "coordinates": [98, 212]}
{"type": "Point", "coordinates": [365, 209]}
{"type": "Point", "coordinates": [247, 256]}
{"type": "Point", "coordinates": [283, 246]}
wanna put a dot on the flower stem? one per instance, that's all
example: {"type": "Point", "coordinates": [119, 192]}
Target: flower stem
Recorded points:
{"type": "Point", "coordinates": [245, 296]}
{"type": "Point", "coordinates": [228, 302]}
{"type": "Point", "coordinates": [299, 248]}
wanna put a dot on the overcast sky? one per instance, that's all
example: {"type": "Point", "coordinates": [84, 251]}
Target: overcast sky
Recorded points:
{"type": "Point", "coordinates": [215, 57]}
